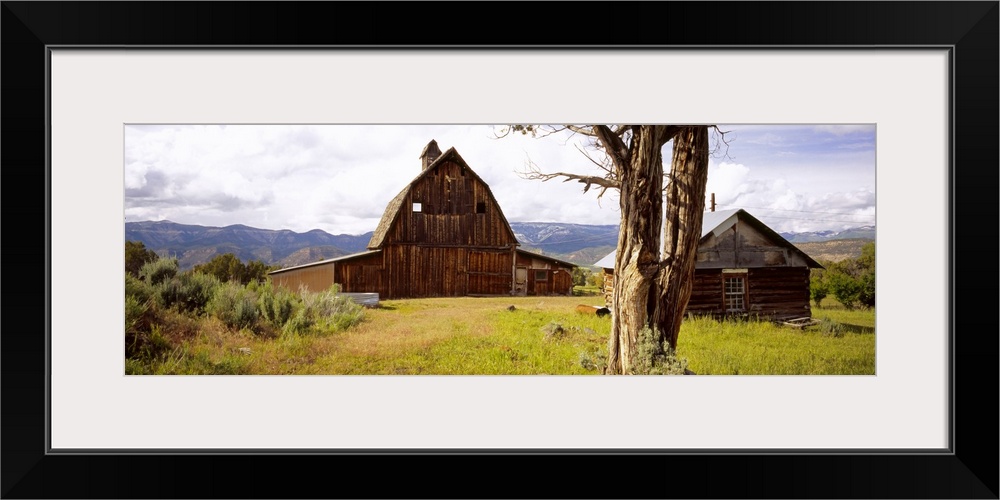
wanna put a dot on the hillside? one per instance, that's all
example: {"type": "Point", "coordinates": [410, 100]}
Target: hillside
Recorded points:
{"type": "Point", "coordinates": [580, 244]}
{"type": "Point", "coordinates": [834, 250]}
{"type": "Point", "coordinates": [193, 244]}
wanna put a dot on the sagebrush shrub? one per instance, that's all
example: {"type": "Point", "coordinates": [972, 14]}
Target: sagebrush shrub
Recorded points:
{"type": "Point", "coordinates": [653, 357]}
{"type": "Point", "coordinates": [188, 291]}
{"type": "Point", "coordinates": [831, 328]}
{"type": "Point", "coordinates": [234, 305]}
{"type": "Point", "coordinates": [135, 310]}
{"type": "Point", "coordinates": [553, 330]}
{"type": "Point", "coordinates": [159, 270]}
{"type": "Point", "coordinates": [138, 289]}
{"type": "Point", "coordinates": [276, 304]}
{"type": "Point", "coordinates": [323, 312]}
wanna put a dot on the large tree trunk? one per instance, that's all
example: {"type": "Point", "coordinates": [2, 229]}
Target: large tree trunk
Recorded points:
{"type": "Point", "coordinates": [648, 291]}
{"type": "Point", "coordinates": [637, 259]}
{"type": "Point", "coordinates": [682, 230]}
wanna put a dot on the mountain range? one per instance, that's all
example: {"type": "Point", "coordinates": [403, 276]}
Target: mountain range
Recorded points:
{"type": "Point", "coordinates": [861, 232]}
{"type": "Point", "coordinates": [581, 244]}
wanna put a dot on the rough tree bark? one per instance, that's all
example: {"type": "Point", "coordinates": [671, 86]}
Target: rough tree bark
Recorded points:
{"type": "Point", "coordinates": [648, 290]}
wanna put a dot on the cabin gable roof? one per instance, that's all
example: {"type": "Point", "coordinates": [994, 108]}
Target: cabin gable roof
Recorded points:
{"type": "Point", "coordinates": [715, 223]}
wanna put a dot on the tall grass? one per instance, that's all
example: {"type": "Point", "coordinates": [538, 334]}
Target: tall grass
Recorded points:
{"type": "Point", "coordinates": [478, 336]}
{"type": "Point", "coordinates": [761, 348]}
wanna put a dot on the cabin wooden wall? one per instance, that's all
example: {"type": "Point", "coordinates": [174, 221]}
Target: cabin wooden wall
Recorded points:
{"type": "Point", "coordinates": [779, 291]}
{"type": "Point", "coordinates": [772, 292]}
{"type": "Point", "coordinates": [451, 199]}
{"type": "Point", "coordinates": [609, 284]}
{"type": "Point", "coordinates": [706, 292]}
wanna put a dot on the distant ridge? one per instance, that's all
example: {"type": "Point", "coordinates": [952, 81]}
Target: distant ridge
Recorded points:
{"type": "Point", "coordinates": [193, 244]}
{"type": "Point", "coordinates": [861, 232]}
{"type": "Point", "coordinates": [582, 244]}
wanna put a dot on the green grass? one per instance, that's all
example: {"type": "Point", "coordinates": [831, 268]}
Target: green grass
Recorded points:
{"type": "Point", "coordinates": [480, 336]}
{"type": "Point", "coordinates": [764, 348]}
{"type": "Point", "coordinates": [585, 291]}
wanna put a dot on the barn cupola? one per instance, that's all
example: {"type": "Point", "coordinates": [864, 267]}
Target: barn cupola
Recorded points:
{"type": "Point", "coordinates": [430, 153]}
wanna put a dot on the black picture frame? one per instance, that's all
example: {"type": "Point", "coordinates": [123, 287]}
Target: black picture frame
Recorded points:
{"type": "Point", "coordinates": [969, 470]}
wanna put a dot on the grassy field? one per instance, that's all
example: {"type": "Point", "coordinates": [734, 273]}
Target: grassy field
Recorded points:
{"type": "Point", "coordinates": [539, 335]}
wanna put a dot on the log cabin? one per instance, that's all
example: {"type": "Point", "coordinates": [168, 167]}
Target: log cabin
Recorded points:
{"type": "Point", "coordinates": [744, 269]}
{"type": "Point", "coordinates": [443, 235]}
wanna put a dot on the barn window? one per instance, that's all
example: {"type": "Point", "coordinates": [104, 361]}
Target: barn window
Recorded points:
{"type": "Point", "coordinates": [541, 276]}
{"type": "Point", "coordinates": [735, 293]}
{"type": "Point", "coordinates": [481, 207]}
{"type": "Point", "coordinates": [417, 207]}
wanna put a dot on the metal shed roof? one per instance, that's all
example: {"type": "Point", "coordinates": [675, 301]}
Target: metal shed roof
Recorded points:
{"type": "Point", "coordinates": [327, 261]}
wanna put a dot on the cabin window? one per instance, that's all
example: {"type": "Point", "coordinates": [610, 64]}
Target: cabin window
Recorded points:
{"type": "Point", "coordinates": [541, 276]}
{"type": "Point", "coordinates": [417, 207]}
{"type": "Point", "coordinates": [481, 207]}
{"type": "Point", "coordinates": [735, 293]}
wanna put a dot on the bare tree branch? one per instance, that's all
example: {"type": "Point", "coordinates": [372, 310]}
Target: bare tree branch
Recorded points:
{"type": "Point", "coordinates": [532, 172]}
{"type": "Point", "coordinates": [614, 145]}
{"type": "Point", "coordinates": [720, 140]}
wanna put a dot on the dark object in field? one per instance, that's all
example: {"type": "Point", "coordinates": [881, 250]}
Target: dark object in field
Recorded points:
{"type": "Point", "coordinates": [511, 307]}
{"type": "Point", "coordinates": [599, 311]}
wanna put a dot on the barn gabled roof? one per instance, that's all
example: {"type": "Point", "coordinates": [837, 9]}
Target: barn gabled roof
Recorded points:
{"type": "Point", "coordinates": [393, 208]}
{"type": "Point", "coordinates": [716, 222]}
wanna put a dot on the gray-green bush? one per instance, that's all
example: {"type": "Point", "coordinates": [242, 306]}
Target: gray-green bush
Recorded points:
{"type": "Point", "coordinates": [324, 312]}
{"type": "Point", "coordinates": [159, 270]}
{"type": "Point", "coordinates": [234, 305]}
{"type": "Point", "coordinates": [276, 304]}
{"type": "Point", "coordinates": [656, 358]}
{"type": "Point", "coordinates": [138, 289]}
{"type": "Point", "coordinates": [189, 292]}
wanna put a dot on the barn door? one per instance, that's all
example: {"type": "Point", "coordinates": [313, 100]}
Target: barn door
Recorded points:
{"type": "Point", "coordinates": [521, 281]}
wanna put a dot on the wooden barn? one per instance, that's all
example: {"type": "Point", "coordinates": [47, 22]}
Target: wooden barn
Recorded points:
{"type": "Point", "coordinates": [744, 268]}
{"type": "Point", "coordinates": [443, 235]}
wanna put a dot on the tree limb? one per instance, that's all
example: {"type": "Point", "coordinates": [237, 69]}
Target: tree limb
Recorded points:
{"type": "Point", "coordinates": [614, 145]}
{"type": "Point", "coordinates": [532, 172]}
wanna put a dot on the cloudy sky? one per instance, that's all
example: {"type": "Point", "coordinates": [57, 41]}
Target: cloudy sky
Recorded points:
{"type": "Point", "coordinates": [339, 178]}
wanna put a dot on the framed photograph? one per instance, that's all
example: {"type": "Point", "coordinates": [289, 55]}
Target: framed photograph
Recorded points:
{"type": "Point", "coordinates": [83, 81]}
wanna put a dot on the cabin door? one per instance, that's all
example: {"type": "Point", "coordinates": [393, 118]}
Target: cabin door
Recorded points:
{"type": "Point", "coordinates": [521, 281]}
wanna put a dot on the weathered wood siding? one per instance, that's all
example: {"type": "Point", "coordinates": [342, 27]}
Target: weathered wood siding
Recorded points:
{"type": "Point", "coordinates": [742, 246]}
{"type": "Point", "coordinates": [771, 292]}
{"type": "Point", "coordinates": [706, 292]}
{"type": "Point", "coordinates": [546, 277]}
{"type": "Point", "coordinates": [609, 284]}
{"type": "Point", "coordinates": [405, 271]}
{"type": "Point", "coordinates": [779, 291]}
{"type": "Point", "coordinates": [456, 208]}
{"type": "Point", "coordinates": [364, 274]}
{"type": "Point", "coordinates": [490, 272]}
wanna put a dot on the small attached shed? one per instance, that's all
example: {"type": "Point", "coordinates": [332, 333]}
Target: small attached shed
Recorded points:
{"type": "Point", "coordinates": [744, 268]}
{"type": "Point", "coordinates": [443, 235]}
{"type": "Point", "coordinates": [538, 274]}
